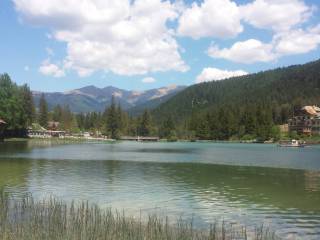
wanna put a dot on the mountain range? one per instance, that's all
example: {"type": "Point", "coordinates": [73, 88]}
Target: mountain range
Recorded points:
{"type": "Point", "coordinates": [280, 87]}
{"type": "Point", "coordinates": [91, 98]}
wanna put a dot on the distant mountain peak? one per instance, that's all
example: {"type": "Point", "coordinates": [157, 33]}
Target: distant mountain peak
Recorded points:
{"type": "Point", "coordinates": [92, 98]}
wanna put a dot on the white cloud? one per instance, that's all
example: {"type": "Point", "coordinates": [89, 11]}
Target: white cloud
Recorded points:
{"type": "Point", "coordinates": [213, 18]}
{"type": "Point", "coordinates": [249, 51]}
{"type": "Point", "coordinates": [49, 69]}
{"type": "Point", "coordinates": [297, 41]}
{"type": "Point", "coordinates": [222, 18]}
{"type": "Point", "coordinates": [125, 37]}
{"type": "Point", "coordinates": [278, 15]}
{"type": "Point", "coordinates": [286, 43]}
{"type": "Point", "coordinates": [148, 80]}
{"type": "Point", "coordinates": [133, 37]}
{"type": "Point", "coordinates": [26, 68]}
{"type": "Point", "coordinates": [214, 74]}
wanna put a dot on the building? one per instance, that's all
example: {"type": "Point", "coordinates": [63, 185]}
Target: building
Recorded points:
{"type": "Point", "coordinates": [53, 126]}
{"type": "Point", "coordinates": [284, 128]}
{"type": "Point", "coordinates": [2, 123]}
{"type": "Point", "coordinates": [37, 131]}
{"type": "Point", "coordinates": [45, 134]}
{"type": "Point", "coordinates": [306, 121]}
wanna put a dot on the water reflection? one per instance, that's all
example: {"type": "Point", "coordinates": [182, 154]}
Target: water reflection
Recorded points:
{"type": "Point", "coordinates": [14, 175]}
{"type": "Point", "coordinates": [263, 155]}
{"type": "Point", "coordinates": [286, 199]}
{"type": "Point", "coordinates": [8, 148]}
{"type": "Point", "coordinates": [312, 180]}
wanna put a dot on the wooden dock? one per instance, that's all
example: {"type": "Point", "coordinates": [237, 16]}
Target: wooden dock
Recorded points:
{"type": "Point", "coordinates": [140, 139]}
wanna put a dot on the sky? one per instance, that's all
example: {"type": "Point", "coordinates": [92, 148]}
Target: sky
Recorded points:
{"type": "Point", "coordinates": [142, 44]}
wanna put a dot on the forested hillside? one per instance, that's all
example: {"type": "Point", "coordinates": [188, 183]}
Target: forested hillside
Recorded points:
{"type": "Point", "coordinates": [247, 105]}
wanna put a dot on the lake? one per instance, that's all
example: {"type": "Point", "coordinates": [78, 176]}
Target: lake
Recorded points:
{"type": "Point", "coordinates": [249, 184]}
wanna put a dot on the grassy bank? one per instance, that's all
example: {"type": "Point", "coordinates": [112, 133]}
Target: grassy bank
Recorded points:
{"type": "Point", "coordinates": [27, 219]}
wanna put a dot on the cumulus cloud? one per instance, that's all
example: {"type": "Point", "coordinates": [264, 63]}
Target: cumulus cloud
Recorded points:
{"type": "Point", "coordinates": [222, 18]}
{"type": "Point", "coordinates": [49, 69]}
{"type": "Point", "coordinates": [212, 18]}
{"type": "Point", "coordinates": [125, 37]}
{"type": "Point", "coordinates": [283, 17]}
{"type": "Point", "coordinates": [133, 37]}
{"type": "Point", "coordinates": [249, 51]}
{"type": "Point", "coordinates": [278, 15]}
{"type": "Point", "coordinates": [296, 41]}
{"type": "Point", "coordinates": [214, 74]}
{"type": "Point", "coordinates": [148, 80]}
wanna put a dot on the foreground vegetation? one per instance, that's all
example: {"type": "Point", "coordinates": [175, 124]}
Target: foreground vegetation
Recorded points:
{"type": "Point", "coordinates": [27, 219]}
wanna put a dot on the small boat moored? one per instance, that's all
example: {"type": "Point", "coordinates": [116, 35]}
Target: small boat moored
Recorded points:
{"type": "Point", "coordinates": [291, 143]}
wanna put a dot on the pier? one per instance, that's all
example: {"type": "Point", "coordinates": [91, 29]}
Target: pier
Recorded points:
{"type": "Point", "coordinates": [140, 139]}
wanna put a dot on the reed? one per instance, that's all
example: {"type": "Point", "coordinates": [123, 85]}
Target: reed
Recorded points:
{"type": "Point", "coordinates": [27, 219]}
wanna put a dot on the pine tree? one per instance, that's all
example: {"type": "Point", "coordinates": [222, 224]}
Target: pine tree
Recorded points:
{"type": "Point", "coordinates": [249, 120]}
{"type": "Point", "coordinates": [167, 130]}
{"type": "Point", "coordinates": [28, 104]}
{"type": "Point", "coordinates": [214, 125]}
{"type": "Point", "coordinates": [57, 113]}
{"type": "Point", "coordinates": [112, 125]}
{"type": "Point", "coordinates": [202, 129]}
{"type": "Point", "coordinates": [81, 120]}
{"type": "Point", "coordinates": [43, 112]}
{"type": "Point", "coordinates": [67, 121]}
{"type": "Point", "coordinates": [119, 115]}
{"type": "Point", "coordinates": [145, 126]}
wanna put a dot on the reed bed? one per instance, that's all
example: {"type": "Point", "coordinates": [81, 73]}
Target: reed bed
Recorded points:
{"type": "Point", "coordinates": [27, 219]}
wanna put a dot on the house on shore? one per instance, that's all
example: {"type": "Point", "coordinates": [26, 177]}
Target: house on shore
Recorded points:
{"type": "Point", "coordinates": [2, 123]}
{"type": "Point", "coordinates": [45, 134]}
{"type": "Point", "coordinates": [37, 131]}
{"type": "Point", "coordinates": [306, 121]}
{"type": "Point", "coordinates": [53, 126]}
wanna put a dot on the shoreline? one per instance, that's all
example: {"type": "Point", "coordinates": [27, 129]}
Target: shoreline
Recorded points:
{"type": "Point", "coordinates": [81, 139]}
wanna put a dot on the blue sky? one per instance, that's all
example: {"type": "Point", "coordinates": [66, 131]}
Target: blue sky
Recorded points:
{"type": "Point", "coordinates": [151, 43]}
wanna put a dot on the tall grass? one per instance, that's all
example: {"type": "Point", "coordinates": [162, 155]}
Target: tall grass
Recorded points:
{"type": "Point", "coordinates": [27, 219]}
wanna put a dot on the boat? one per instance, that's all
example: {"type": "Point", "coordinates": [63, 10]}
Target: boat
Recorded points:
{"type": "Point", "coordinates": [291, 143]}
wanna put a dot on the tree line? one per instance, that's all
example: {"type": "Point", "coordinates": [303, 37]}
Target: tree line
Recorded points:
{"type": "Point", "coordinates": [246, 107]}
{"type": "Point", "coordinates": [16, 106]}
{"type": "Point", "coordinates": [249, 107]}
{"type": "Point", "coordinates": [18, 110]}
{"type": "Point", "coordinates": [113, 122]}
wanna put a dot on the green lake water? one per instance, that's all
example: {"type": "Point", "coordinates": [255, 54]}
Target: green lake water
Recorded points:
{"type": "Point", "coordinates": [249, 184]}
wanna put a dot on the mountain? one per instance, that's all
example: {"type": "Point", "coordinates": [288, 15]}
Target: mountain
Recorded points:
{"type": "Point", "coordinates": [91, 98]}
{"type": "Point", "coordinates": [277, 90]}
{"type": "Point", "coordinates": [150, 104]}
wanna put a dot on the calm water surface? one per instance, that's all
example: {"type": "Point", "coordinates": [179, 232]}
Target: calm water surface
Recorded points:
{"type": "Point", "coordinates": [241, 183]}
